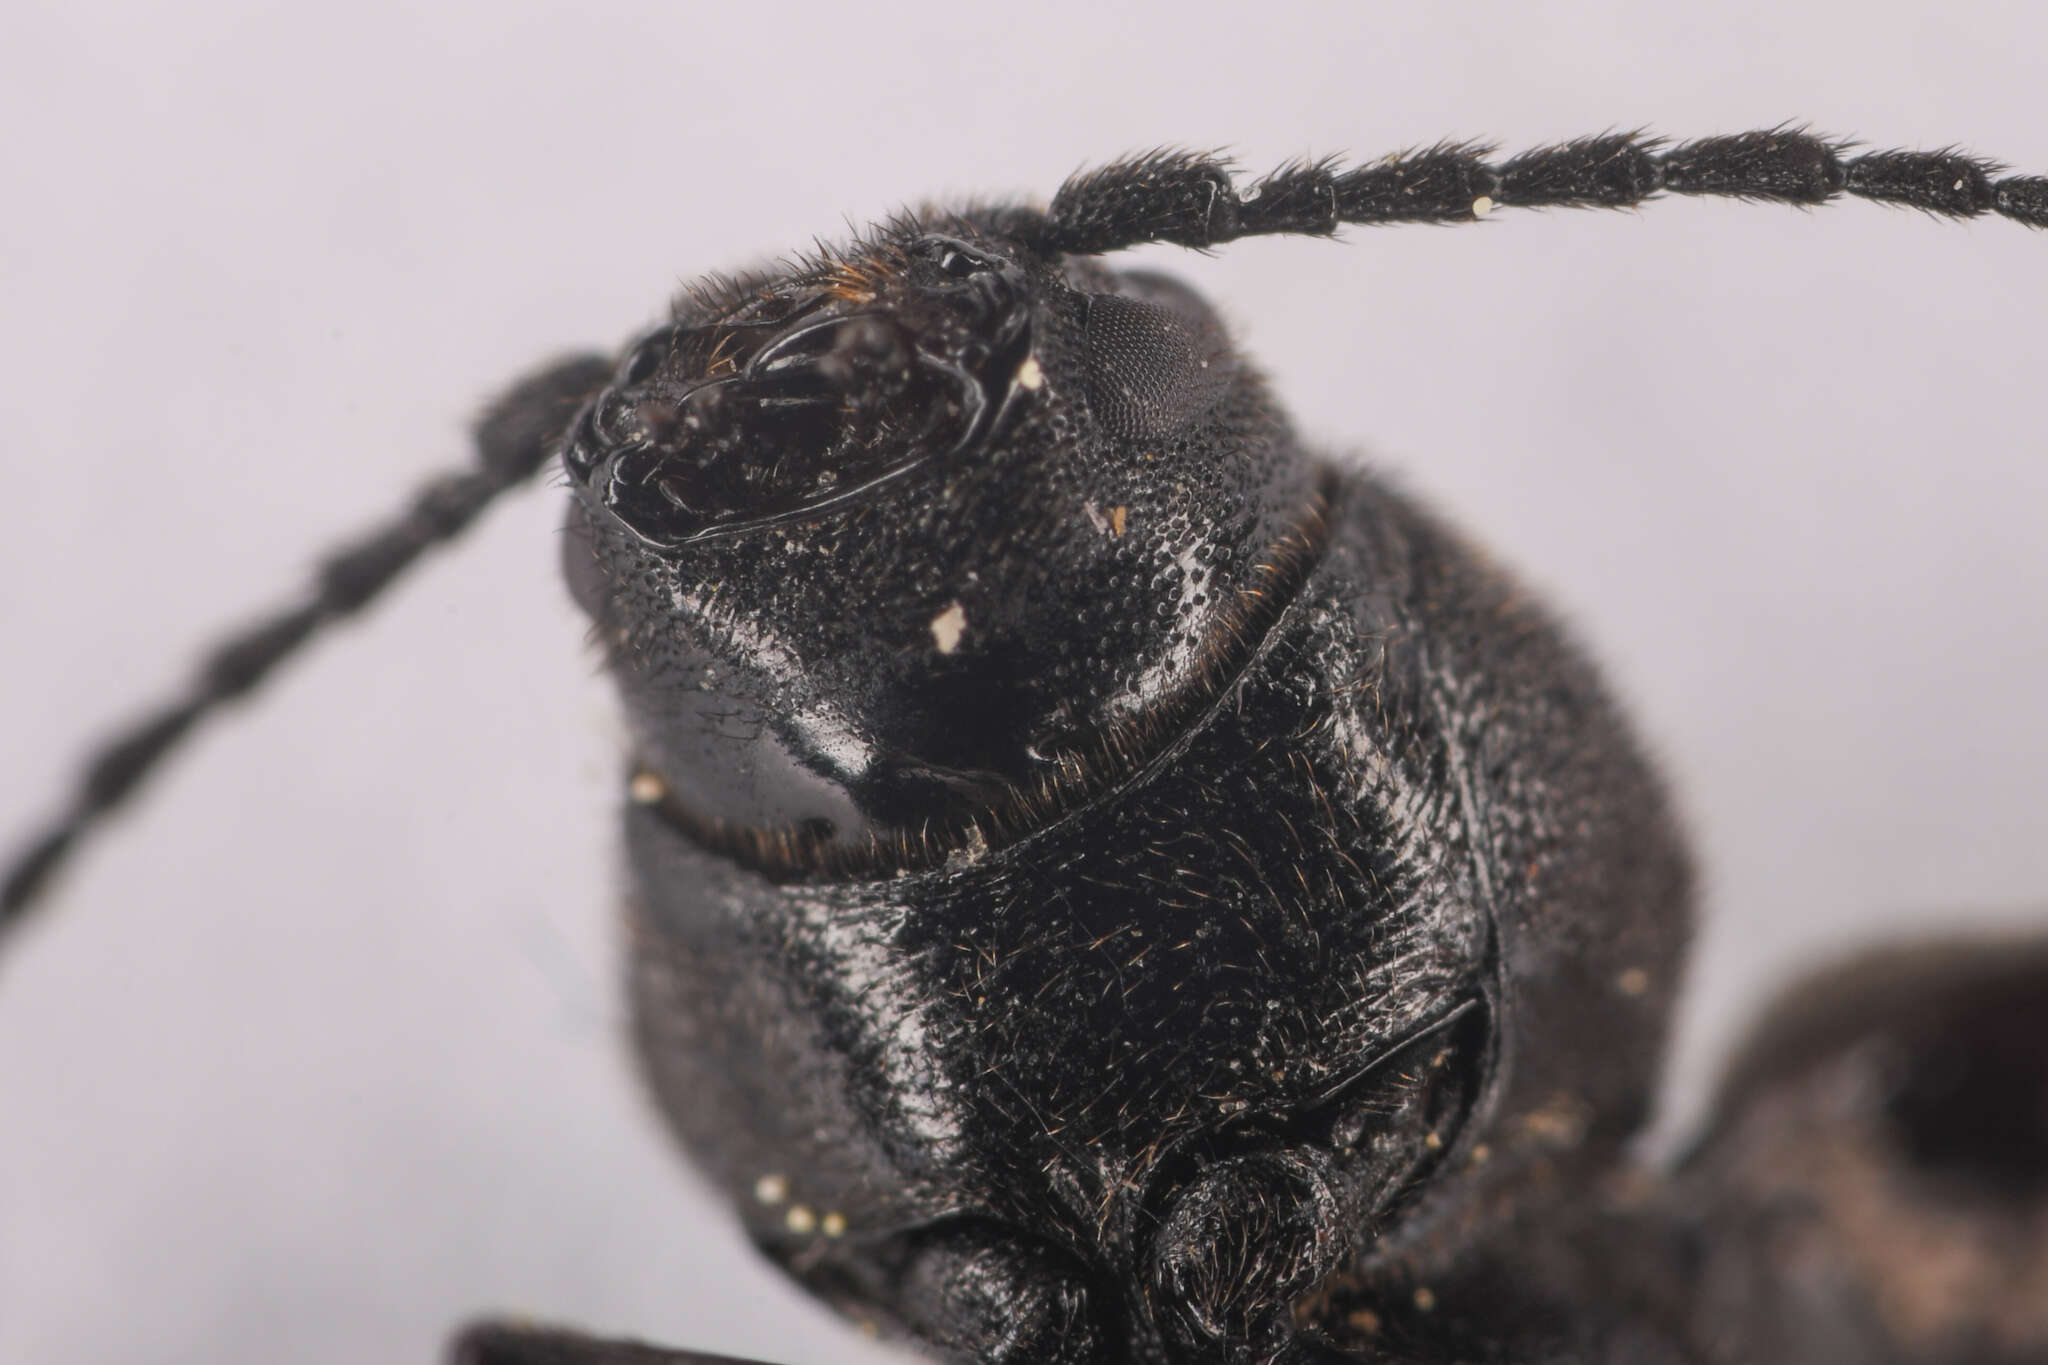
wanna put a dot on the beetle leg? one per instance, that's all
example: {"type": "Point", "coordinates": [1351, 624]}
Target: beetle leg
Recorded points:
{"type": "Point", "coordinates": [1239, 1244]}
{"type": "Point", "coordinates": [506, 1343]}
{"type": "Point", "coordinates": [1875, 1185]}
{"type": "Point", "coordinates": [982, 1294]}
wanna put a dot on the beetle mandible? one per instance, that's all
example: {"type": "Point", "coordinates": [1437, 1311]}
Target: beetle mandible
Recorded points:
{"type": "Point", "coordinates": [1110, 886]}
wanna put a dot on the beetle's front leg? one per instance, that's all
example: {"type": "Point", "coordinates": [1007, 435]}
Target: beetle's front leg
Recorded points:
{"type": "Point", "coordinates": [498, 1343]}
{"type": "Point", "coordinates": [1236, 1247]}
{"type": "Point", "coordinates": [981, 1293]}
{"type": "Point", "coordinates": [508, 1343]}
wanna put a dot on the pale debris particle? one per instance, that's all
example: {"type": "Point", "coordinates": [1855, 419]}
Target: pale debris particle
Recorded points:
{"type": "Point", "coordinates": [1425, 1299]}
{"type": "Point", "coordinates": [948, 626]}
{"type": "Point", "coordinates": [973, 850]}
{"type": "Point", "coordinates": [1482, 206]}
{"type": "Point", "coordinates": [833, 1225]}
{"type": "Point", "coordinates": [771, 1189]}
{"type": "Point", "coordinates": [1632, 982]}
{"type": "Point", "coordinates": [1110, 524]}
{"type": "Point", "coordinates": [800, 1220]}
{"type": "Point", "coordinates": [1029, 375]}
{"type": "Point", "coordinates": [646, 788]}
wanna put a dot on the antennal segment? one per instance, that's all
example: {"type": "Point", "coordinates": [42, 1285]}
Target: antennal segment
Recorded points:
{"type": "Point", "coordinates": [515, 436]}
{"type": "Point", "coordinates": [1190, 199]}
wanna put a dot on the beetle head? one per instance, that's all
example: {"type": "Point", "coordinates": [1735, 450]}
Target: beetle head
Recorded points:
{"type": "Point", "coordinates": [894, 539]}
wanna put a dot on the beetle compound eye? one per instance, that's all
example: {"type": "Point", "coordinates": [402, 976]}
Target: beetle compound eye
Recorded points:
{"type": "Point", "coordinates": [1157, 359]}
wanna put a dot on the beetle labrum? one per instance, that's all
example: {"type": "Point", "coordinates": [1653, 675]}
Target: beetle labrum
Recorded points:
{"type": "Point", "coordinates": [1109, 886]}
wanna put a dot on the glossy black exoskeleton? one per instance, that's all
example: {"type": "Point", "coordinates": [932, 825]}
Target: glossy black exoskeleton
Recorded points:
{"type": "Point", "coordinates": [1111, 887]}
{"type": "Point", "coordinates": [1100, 862]}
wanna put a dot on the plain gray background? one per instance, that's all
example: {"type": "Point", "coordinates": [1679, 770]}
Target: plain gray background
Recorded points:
{"type": "Point", "coordinates": [316, 1053]}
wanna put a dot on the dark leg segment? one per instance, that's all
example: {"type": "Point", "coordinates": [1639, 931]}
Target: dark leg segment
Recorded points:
{"type": "Point", "coordinates": [1875, 1183]}
{"type": "Point", "coordinates": [1189, 199]}
{"type": "Point", "coordinates": [505, 1343]}
{"type": "Point", "coordinates": [981, 1294]}
{"type": "Point", "coordinates": [515, 437]}
{"type": "Point", "coordinates": [1236, 1247]}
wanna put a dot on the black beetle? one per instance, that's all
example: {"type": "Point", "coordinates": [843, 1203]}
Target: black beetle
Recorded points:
{"type": "Point", "coordinates": [1113, 888]}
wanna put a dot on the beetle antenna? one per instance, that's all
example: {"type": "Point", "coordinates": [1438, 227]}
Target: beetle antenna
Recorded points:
{"type": "Point", "coordinates": [1189, 198]}
{"type": "Point", "coordinates": [515, 436]}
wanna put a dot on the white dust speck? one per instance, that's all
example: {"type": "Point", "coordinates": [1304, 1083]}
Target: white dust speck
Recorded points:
{"type": "Point", "coordinates": [948, 626]}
